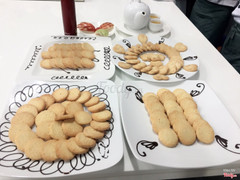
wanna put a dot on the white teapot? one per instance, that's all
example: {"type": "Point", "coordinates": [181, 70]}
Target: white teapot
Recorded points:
{"type": "Point", "coordinates": [136, 15]}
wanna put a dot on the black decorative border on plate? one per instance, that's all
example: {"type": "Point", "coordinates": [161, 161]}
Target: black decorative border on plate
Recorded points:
{"type": "Point", "coordinates": [143, 145]}
{"type": "Point", "coordinates": [10, 157]}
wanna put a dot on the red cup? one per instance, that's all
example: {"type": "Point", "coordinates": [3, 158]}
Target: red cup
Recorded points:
{"type": "Point", "coordinates": [69, 17]}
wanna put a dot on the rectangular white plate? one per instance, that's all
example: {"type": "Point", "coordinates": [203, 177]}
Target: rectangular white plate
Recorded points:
{"type": "Point", "coordinates": [104, 68]}
{"type": "Point", "coordinates": [144, 142]}
{"type": "Point", "coordinates": [105, 154]}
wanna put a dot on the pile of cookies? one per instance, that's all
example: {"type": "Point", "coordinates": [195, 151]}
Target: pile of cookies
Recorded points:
{"type": "Point", "coordinates": [175, 117]}
{"type": "Point", "coordinates": [59, 125]}
{"type": "Point", "coordinates": [72, 56]}
{"type": "Point", "coordinates": [151, 57]}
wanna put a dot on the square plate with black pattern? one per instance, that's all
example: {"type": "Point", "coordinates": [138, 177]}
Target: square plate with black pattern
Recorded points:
{"type": "Point", "coordinates": [107, 152]}
{"type": "Point", "coordinates": [144, 142]}
{"type": "Point", "coordinates": [103, 69]}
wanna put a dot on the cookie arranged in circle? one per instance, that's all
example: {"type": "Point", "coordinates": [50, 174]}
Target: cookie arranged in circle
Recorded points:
{"type": "Point", "coordinates": [58, 125]}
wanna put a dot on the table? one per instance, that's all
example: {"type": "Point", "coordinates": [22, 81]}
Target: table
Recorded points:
{"type": "Point", "coordinates": [23, 22]}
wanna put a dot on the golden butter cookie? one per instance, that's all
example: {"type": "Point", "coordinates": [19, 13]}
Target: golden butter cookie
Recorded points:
{"type": "Point", "coordinates": [38, 103]}
{"type": "Point", "coordinates": [74, 148]}
{"type": "Point", "coordinates": [15, 129]}
{"type": "Point", "coordinates": [180, 47]}
{"type": "Point", "coordinates": [94, 100]}
{"type": "Point", "coordinates": [205, 133]}
{"type": "Point", "coordinates": [73, 94]}
{"type": "Point", "coordinates": [78, 62]}
{"type": "Point", "coordinates": [163, 70]}
{"type": "Point", "coordinates": [160, 77]}
{"type": "Point", "coordinates": [90, 132]}
{"type": "Point", "coordinates": [21, 137]}
{"type": "Point", "coordinates": [87, 46]}
{"type": "Point", "coordinates": [142, 38]}
{"type": "Point", "coordinates": [186, 134]}
{"type": "Point", "coordinates": [118, 49]}
{"type": "Point", "coordinates": [87, 63]}
{"type": "Point", "coordinates": [65, 103]}
{"type": "Point", "coordinates": [166, 95]}
{"type": "Point", "coordinates": [102, 115]}
{"type": "Point", "coordinates": [57, 108]}
{"type": "Point", "coordinates": [56, 131]}
{"type": "Point", "coordinates": [62, 150]}
{"type": "Point", "coordinates": [146, 69]}
{"type": "Point", "coordinates": [42, 130]}
{"type": "Point", "coordinates": [139, 66]}
{"type": "Point", "coordinates": [23, 117]}
{"type": "Point", "coordinates": [154, 70]}
{"type": "Point", "coordinates": [48, 98]}
{"type": "Point", "coordinates": [70, 127]}
{"type": "Point", "coordinates": [33, 148]}
{"type": "Point", "coordinates": [100, 126]}
{"type": "Point", "coordinates": [133, 61]}
{"type": "Point", "coordinates": [46, 64]}
{"type": "Point", "coordinates": [49, 151]}
{"type": "Point", "coordinates": [60, 94]}
{"type": "Point", "coordinates": [168, 137]}
{"type": "Point", "coordinates": [191, 67]}
{"type": "Point", "coordinates": [45, 116]}
{"type": "Point", "coordinates": [84, 141]}
{"type": "Point", "coordinates": [28, 108]}
{"type": "Point", "coordinates": [88, 54]}
{"type": "Point", "coordinates": [82, 117]}
{"type": "Point", "coordinates": [74, 107]}
{"type": "Point", "coordinates": [124, 65]}
{"type": "Point", "coordinates": [156, 63]}
{"type": "Point", "coordinates": [84, 97]}
{"type": "Point", "coordinates": [97, 107]}
{"type": "Point", "coordinates": [158, 124]}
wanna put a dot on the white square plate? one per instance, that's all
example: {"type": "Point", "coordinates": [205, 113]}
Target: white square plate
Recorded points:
{"type": "Point", "coordinates": [144, 142]}
{"type": "Point", "coordinates": [107, 152]}
{"type": "Point", "coordinates": [104, 68]}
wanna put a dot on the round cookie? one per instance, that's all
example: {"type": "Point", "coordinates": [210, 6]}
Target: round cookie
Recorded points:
{"type": "Point", "coordinates": [191, 67]}
{"type": "Point", "coordinates": [49, 151]}
{"type": "Point", "coordinates": [28, 108]}
{"type": "Point", "coordinates": [74, 94]}
{"type": "Point", "coordinates": [102, 115]}
{"type": "Point", "coordinates": [55, 130]}
{"type": "Point", "coordinates": [39, 103]}
{"type": "Point", "coordinates": [74, 107]}
{"type": "Point", "coordinates": [74, 148]}
{"type": "Point", "coordinates": [94, 100]}
{"type": "Point", "coordinates": [180, 47]}
{"type": "Point", "coordinates": [48, 98]}
{"type": "Point", "coordinates": [33, 148]}
{"type": "Point", "coordinates": [23, 117]}
{"type": "Point", "coordinates": [60, 94]}
{"type": "Point", "coordinates": [82, 117]}
{"type": "Point", "coordinates": [124, 65]}
{"type": "Point", "coordinates": [92, 133]}
{"type": "Point", "coordinates": [57, 108]}
{"type": "Point", "coordinates": [62, 150]}
{"type": "Point", "coordinates": [168, 137]}
{"type": "Point", "coordinates": [85, 96]}
{"type": "Point", "coordinates": [71, 128]}
{"type": "Point", "coordinates": [45, 116]}
{"type": "Point", "coordinates": [97, 107]}
{"type": "Point", "coordinates": [100, 126]}
{"type": "Point", "coordinates": [84, 141]}
{"type": "Point", "coordinates": [42, 130]}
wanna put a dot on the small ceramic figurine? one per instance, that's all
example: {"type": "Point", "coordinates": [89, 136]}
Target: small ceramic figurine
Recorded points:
{"type": "Point", "coordinates": [136, 15]}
